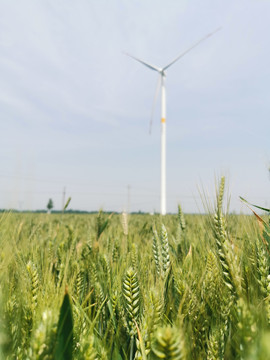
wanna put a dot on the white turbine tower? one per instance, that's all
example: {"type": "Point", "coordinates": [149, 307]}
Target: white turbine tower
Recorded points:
{"type": "Point", "coordinates": [162, 74]}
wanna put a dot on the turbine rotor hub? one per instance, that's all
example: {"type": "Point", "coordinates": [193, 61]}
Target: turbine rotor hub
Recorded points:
{"type": "Point", "coordinates": [162, 72]}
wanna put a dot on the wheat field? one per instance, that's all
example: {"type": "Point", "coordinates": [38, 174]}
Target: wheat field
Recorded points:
{"type": "Point", "coordinates": [135, 286]}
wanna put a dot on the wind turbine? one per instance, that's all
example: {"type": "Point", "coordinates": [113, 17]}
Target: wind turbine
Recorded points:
{"type": "Point", "coordinates": [162, 74]}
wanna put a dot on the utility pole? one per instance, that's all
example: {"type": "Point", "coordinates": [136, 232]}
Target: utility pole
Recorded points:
{"type": "Point", "coordinates": [64, 198]}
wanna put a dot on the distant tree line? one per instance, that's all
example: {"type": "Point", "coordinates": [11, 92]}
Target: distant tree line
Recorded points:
{"type": "Point", "coordinates": [70, 211]}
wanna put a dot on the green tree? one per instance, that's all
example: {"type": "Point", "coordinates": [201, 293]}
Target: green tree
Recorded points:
{"type": "Point", "coordinates": [50, 206]}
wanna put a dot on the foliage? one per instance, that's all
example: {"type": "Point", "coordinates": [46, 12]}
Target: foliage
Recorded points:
{"type": "Point", "coordinates": [50, 205]}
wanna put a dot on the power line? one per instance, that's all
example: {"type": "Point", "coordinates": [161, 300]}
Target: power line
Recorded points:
{"type": "Point", "coordinates": [137, 194]}
{"type": "Point", "coordinates": [69, 181]}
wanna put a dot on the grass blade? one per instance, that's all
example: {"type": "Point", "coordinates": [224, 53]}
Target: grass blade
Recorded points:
{"type": "Point", "coordinates": [64, 342]}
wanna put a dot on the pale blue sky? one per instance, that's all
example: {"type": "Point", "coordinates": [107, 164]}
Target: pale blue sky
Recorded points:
{"type": "Point", "coordinates": [75, 111]}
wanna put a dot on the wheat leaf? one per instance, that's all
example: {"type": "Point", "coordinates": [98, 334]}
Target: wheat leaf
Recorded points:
{"type": "Point", "coordinates": [64, 342]}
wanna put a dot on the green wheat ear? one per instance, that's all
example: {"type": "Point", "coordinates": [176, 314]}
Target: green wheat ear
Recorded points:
{"type": "Point", "coordinates": [215, 348]}
{"type": "Point", "coordinates": [156, 250]}
{"type": "Point", "coordinates": [134, 256]}
{"type": "Point", "coordinates": [32, 271]}
{"type": "Point", "coordinates": [167, 345]}
{"type": "Point", "coordinates": [131, 292]}
{"type": "Point", "coordinates": [181, 218]}
{"type": "Point", "coordinates": [87, 349]}
{"type": "Point", "coordinates": [165, 249]}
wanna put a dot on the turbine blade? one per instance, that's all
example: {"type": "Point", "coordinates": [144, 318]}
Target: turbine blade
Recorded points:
{"type": "Point", "coordinates": [154, 103]}
{"type": "Point", "coordinates": [192, 47]}
{"type": "Point", "coordinates": [152, 67]}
